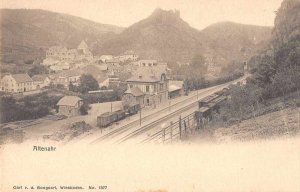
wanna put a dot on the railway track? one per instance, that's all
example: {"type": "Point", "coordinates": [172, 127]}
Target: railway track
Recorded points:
{"type": "Point", "coordinates": [146, 127]}
{"type": "Point", "coordinates": [154, 123]}
{"type": "Point", "coordinates": [128, 126]}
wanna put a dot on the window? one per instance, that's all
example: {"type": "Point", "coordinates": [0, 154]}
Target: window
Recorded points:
{"type": "Point", "coordinates": [147, 88]}
{"type": "Point", "coordinates": [131, 86]}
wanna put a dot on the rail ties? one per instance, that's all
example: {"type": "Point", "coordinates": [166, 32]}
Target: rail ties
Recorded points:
{"type": "Point", "coordinates": [154, 123]}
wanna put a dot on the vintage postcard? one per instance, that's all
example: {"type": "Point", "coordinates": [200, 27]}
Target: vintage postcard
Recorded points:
{"type": "Point", "coordinates": [149, 95]}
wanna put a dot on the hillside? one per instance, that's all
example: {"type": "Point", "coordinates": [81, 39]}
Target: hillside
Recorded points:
{"type": "Point", "coordinates": [233, 41]}
{"type": "Point", "coordinates": [26, 33]}
{"type": "Point", "coordinates": [284, 123]}
{"type": "Point", "coordinates": [163, 35]}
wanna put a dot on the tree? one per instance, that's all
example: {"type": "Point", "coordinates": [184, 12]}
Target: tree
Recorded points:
{"type": "Point", "coordinates": [265, 71]}
{"type": "Point", "coordinates": [84, 108]}
{"type": "Point", "coordinates": [38, 69]}
{"type": "Point", "coordinates": [198, 65]}
{"type": "Point", "coordinates": [88, 83]}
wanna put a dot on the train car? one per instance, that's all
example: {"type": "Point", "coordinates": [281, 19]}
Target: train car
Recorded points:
{"type": "Point", "coordinates": [203, 112]}
{"type": "Point", "coordinates": [120, 115]}
{"type": "Point", "coordinates": [106, 119]}
{"type": "Point", "coordinates": [215, 104]}
{"type": "Point", "coordinates": [202, 116]}
{"type": "Point", "coordinates": [133, 109]}
{"type": "Point", "coordinates": [203, 102]}
{"type": "Point", "coordinates": [219, 92]}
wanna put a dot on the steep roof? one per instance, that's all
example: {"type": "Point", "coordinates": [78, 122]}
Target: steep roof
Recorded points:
{"type": "Point", "coordinates": [39, 77]}
{"type": "Point", "coordinates": [69, 100]}
{"type": "Point", "coordinates": [135, 91]}
{"type": "Point", "coordinates": [144, 78]}
{"type": "Point", "coordinates": [82, 45]}
{"type": "Point", "coordinates": [22, 78]}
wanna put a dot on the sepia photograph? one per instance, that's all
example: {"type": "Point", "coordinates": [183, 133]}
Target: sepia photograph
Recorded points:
{"type": "Point", "coordinates": [149, 95]}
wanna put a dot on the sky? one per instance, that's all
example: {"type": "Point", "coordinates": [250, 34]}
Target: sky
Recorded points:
{"type": "Point", "coordinates": [198, 13]}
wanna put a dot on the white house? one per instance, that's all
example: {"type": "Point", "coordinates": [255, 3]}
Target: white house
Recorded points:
{"type": "Point", "coordinates": [17, 83]}
{"type": "Point", "coordinates": [128, 56]}
{"type": "Point", "coordinates": [41, 81]}
{"type": "Point", "coordinates": [105, 58]}
{"type": "Point", "coordinates": [147, 63]}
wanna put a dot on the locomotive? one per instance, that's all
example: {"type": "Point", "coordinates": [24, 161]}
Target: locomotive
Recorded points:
{"type": "Point", "coordinates": [108, 118]}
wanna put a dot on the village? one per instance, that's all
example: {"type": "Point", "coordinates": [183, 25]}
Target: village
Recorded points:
{"type": "Point", "coordinates": [147, 82]}
{"type": "Point", "coordinates": [139, 84]}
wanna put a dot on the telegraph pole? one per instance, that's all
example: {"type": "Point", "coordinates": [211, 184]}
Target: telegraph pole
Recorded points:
{"type": "Point", "coordinates": [140, 117]}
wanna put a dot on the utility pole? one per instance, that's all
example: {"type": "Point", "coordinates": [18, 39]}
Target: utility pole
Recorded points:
{"type": "Point", "coordinates": [110, 106]}
{"type": "Point", "coordinates": [179, 127]}
{"type": "Point", "coordinates": [140, 117]}
{"type": "Point", "coordinates": [171, 131]}
{"type": "Point", "coordinates": [197, 94]}
{"type": "Point", "coordinates": [169, 105]}
{"type": "Point", "coordinates": [164, 135]}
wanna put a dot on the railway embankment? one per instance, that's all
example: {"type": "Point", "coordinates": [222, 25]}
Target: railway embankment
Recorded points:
{"type": "Point", "coordinates": [282, 123]}
{"type": "Point", "coordinates": [277, 118]}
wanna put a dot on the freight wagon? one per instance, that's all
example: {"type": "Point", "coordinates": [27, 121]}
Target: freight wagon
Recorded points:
{"type": "Point", "coordinates": [108, 118]}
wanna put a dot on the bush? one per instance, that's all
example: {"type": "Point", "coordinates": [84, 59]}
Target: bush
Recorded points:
{"type": "Point", "coordinates": [29, 107]}
{"type": "Point", "coordinates": [84, 108]}
{"type": "Point", "coordinates": [29, 61]}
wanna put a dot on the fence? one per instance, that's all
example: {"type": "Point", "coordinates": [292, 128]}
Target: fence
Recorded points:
{"type": "Point", "coordinates": [180, 129]}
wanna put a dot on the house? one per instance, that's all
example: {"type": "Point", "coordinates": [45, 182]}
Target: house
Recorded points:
{"type": "Point", "coordinates": [175, 89]}
{"type": "Point", "coordinates": [113, 66]}
{"type": "Point", "coordinates": [41, 81]}
{"type": "Point", "coordinates": [128, 56]}
{"type": "Point", "coordinates": [69, 106]}
{"type": "Point", "coordinates": [133, 96]}
{"type": "Point", "coordinates": [17, 83]}
{"type": "Point", "coordinates": [105, 58]}
{"type": "Point", "coordinates": [106, 81]}
{"type": "Point", "coordinates": [154, 87]}
{"type": "Point", "coordinates": [147, 63]}
{"type": "Point", "coordinates": [60, 66]}
{"type": "Point", "coordinates": [56, 54]}
{"type": "Point", "coordinates": [66, 77]}
{"type": "Point", "coordinates": [83, 51]}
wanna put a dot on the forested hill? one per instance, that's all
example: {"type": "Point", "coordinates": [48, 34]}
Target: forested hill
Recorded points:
{"type": "Point", "coordinates": [234, 41]}
{"type": "Point", "coordinates": [164, 35]}
{"type": "Point", "coordinates": [25, 33]}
